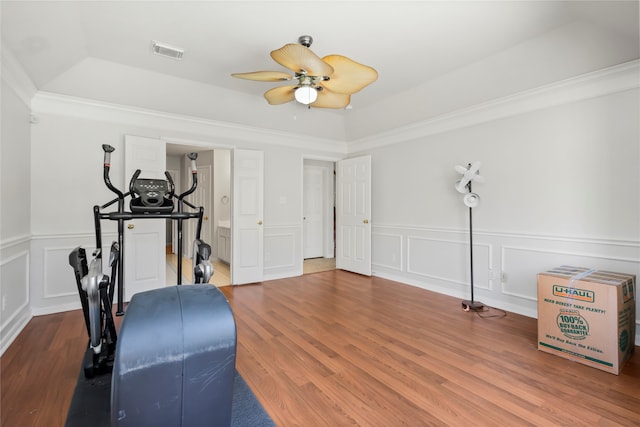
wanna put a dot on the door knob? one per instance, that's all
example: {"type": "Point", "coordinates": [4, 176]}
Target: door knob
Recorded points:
{"type": "Point", "coordinates": [130, 226]}
{"type": "Point", "coordinates": [366, 221]}
{"type": "Point", "coordinates": [260, 222]}
{"type": "Point", "coordinates": [206, 218]}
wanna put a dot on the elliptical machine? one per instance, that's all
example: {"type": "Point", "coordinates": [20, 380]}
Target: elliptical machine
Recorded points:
{"type": "Point", "coordinates": [150, 199]}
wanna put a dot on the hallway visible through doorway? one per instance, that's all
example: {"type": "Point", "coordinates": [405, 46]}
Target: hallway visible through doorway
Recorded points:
{"type": "Point", "coordinates": [221, 275]}
{"type": "Point", "coordinates": [316, 265]}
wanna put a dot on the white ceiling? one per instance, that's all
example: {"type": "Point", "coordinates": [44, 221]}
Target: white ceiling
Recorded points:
{"type": "Point", "coordinates": [432, 56]}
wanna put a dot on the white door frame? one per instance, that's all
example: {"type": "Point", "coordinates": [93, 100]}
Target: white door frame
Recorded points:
{"type": "Point", "coordinates": [197, 146]}
{"type": "Point", "coordinates": [330, 204]}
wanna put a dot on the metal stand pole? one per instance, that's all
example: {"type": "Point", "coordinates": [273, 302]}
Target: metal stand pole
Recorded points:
{"type": "Point", "coordinates": [471, 305]}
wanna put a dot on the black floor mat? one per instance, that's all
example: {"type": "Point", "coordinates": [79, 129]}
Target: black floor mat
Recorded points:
{"type": "Point", "coordinates": [91, 404]}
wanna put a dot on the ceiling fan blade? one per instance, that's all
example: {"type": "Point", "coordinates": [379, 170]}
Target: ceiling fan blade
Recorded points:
{"type": "Point", "coordinates": [328, 99]}
{"type": "Point", "coordinates": [263, 76]}
{"type": "Point", "coordinates": [301, 59]}
{"type": "Point", "coordinates": [280, 95]}
{"type": "Point", "coordinates": [348, 76]}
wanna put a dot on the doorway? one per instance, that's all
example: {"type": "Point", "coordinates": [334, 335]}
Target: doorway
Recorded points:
{"type": "Point", "coordinates": [213, 193]}
{"type": "Point", "coordinates": [318, 216]}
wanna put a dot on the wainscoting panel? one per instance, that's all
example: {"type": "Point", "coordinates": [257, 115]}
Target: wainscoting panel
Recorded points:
{"type": "Point", "coordinates": [53, 284]}
{"type": "Point", "coordinates": [520, 266]}
{"type": "Point", "coordinates": [15, 310]}
{"type": "Point", "coordinates": [59, 280]}
{"type": "Point", "coordinates": [448, 260]}
{"type": "Point", "coordinates": [15, 279]}
{"type": "Point", "coordinates": [281, 253]}
{"type": "Point", "coordinates": [505, 265]}
{"type": "Point", "coordinates": [282, 248]}
{"type": "Point", "coordinates": [386, 250]}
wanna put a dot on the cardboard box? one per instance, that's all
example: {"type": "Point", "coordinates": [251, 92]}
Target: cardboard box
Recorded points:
{"type": "Point", "coordinates": [587, 316]}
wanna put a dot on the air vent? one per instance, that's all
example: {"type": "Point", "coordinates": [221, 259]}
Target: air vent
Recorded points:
{"type": "Point", "coordinates": [167, 50]}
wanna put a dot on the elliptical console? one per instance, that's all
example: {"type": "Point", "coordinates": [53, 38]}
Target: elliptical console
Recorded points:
{"type": "Point", "coordinates": [151, 195]}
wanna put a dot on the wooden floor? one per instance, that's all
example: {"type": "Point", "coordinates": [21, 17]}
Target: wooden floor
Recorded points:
{"type": "Point", "coordinates": [337, 349]}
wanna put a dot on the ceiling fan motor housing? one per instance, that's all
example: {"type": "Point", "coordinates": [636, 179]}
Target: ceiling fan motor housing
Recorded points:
{"type": "Point", "coordinates": [305, 40]}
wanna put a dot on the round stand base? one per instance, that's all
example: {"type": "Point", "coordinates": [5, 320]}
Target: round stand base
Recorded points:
{"type": "Point", "coordinates": [472, 306]}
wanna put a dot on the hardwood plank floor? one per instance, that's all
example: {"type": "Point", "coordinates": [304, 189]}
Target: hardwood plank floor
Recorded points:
{"type": "Point", "coordinates": [336, 349]}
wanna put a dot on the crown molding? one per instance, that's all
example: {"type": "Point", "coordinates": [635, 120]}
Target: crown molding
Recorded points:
{"type": "Point", "coordinates": [230, 133]}
{"type": "Point", "coordinates": [598, 83]}
{"type": "Point", "coordinates": [15, 76]}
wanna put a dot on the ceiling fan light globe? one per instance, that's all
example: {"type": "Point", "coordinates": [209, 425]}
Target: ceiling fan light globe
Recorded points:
{"type": "Point", "coordinates": [306, 95]}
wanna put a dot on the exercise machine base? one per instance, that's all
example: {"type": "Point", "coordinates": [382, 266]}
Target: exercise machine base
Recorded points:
{"type": "Point", "coordinates": [95, 365]}
{"type": "Point", "coordinates": [472, 306]}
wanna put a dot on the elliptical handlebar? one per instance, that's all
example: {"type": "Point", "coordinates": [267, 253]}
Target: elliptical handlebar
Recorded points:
{"type": "Point", "coordinates": [135, 176]}
{"type": "Point", "coordinates": [108, 149]}
{"type": "Point", "coordinates": [194, 175]}
{"type": "Point", "coordinates": [172, 186]}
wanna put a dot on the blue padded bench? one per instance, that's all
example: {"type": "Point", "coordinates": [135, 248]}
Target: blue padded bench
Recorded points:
{"type": "Point", "coordinates": [175, 359]}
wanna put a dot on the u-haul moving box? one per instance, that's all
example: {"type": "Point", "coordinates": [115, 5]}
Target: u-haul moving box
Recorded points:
{"type": "Point", "coordinates": [587, 316]}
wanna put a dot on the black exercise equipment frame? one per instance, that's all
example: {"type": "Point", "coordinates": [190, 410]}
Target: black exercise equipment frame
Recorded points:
{"type": "Point", "coordinates": [120, 215]}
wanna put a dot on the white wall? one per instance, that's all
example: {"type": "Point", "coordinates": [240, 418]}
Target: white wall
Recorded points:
{"type": "Point", "coordinates": [570, 170]}
{"type": "Point", "coordinates": [562, 187]}
{"type": "Point", "coordinates": [15, 215]}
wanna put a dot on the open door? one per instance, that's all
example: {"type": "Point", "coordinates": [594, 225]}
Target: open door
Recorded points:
{"type": "Point", "coordinates": [353, 215]}
{"type": "Point", "coordinates": [144, 239]}
{"type": "Point", "coordinates": [247, 231]}
{"type": "Point", "coordinates": [313, 211]}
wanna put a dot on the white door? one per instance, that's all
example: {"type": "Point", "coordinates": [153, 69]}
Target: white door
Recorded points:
{"type": "Point", "coordinates": [313, 211]}
{"type": "Point", "coordinates": [353, 215]}
{"type": "Point", "coordinates": [144, 239]}
{"type": "Point", "coordinates": [247, 215]}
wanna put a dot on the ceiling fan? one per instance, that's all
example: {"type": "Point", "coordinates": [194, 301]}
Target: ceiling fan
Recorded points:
{"type": "Point", "coordinates": [325, 82]}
